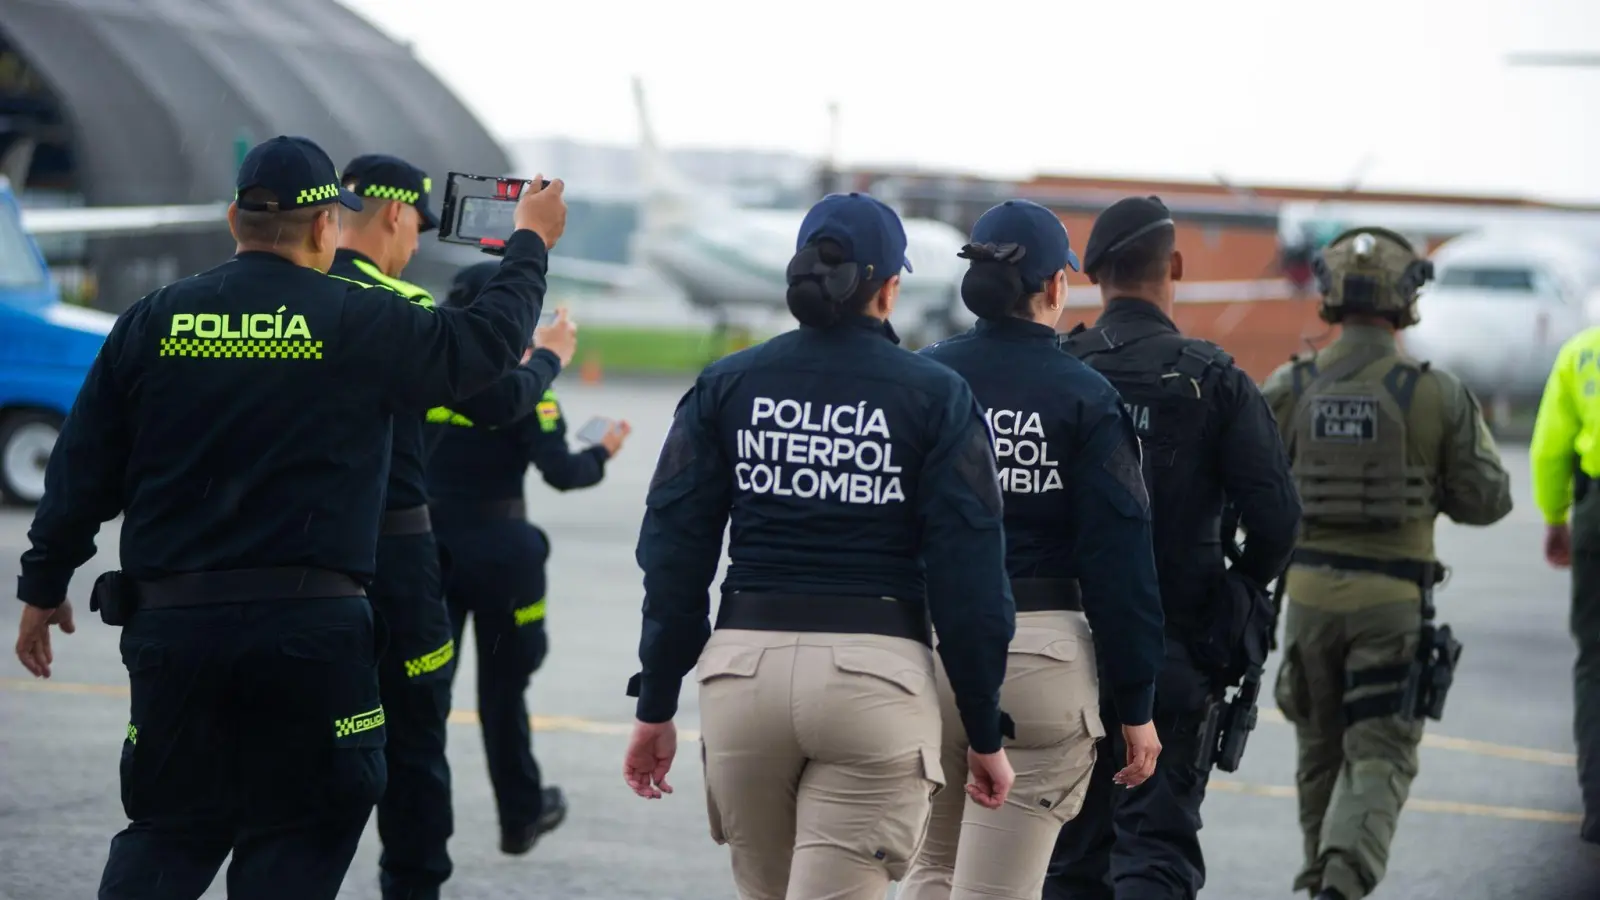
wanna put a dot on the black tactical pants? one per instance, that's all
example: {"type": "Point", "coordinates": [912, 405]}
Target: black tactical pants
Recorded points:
{"type": "Point", "coordinates": [497, 576]}
{"type": "Point", "coordinates": [1144, 843]}
{"type": "Point", "coordinates": [1585, 626]}
{"type": "Point", "coordinates": [414, 817]}
{"type": "Point", "coordinates": [254, 729]}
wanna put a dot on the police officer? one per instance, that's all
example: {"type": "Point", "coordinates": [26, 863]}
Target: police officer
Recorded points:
{"type": "Point", "coordinates": [414, 816]}
{"type": "Point", "coordinates": [1381, 445]}
{"type": "Point", "coordinates": [238, 420]}
{"type": "Point", "coordinates": [860, 483]}
{"type": "Point", "coordinates": [1076, 513]}
{"type": "Point", "coordinates": [1207, 434]}
{"type": "Point", "coordinates": [1565, 461]}
{"type": "Point", "coordinates": [476, 472]}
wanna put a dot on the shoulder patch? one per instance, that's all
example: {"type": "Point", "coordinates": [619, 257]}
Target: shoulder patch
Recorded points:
{"type": "Point", "coordinates": [976, 466]}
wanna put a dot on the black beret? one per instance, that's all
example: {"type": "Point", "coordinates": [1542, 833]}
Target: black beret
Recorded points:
{"type": "Point", "coordinates": [469, 282]}
{"type": "Point", "coordinates": [1123, 221]}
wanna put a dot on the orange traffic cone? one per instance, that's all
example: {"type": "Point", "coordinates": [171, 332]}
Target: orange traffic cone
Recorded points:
{"type": "Point", "coordinates": [589, 372]}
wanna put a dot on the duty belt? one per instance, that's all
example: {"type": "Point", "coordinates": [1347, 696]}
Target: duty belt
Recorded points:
{"type": "Point", "coordinates": [412, 520]}
{"type": "Point", "coordinates": [823, 612]}
{"type": "Point", "coordinates": [513, 508]}
{"type": "Point", "coordinates": [1425, 575]}
{"type": "Point", "coordinates": [1047, 594]}
{"type": "Point", "coordinates": [246, 586]}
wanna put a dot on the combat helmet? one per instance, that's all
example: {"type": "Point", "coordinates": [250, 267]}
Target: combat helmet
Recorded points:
{"type": "Point", "coordinates": [1370, 270]}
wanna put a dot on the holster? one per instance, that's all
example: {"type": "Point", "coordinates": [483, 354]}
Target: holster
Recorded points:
{"type": "Point", "coordinates": [115, 597]}
{"type": "Point", "coordinates": [1228, 726]}
{"type": "Point", "coordinates": [1210, 734]}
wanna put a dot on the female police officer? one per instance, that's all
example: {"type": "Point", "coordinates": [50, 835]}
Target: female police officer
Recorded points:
{"type": "Point", "coordinates": [1075, 514]}
{"type": "Point", "coordinates": [475, 482]}
{"type": "Point", "coordinates": [861, 487]}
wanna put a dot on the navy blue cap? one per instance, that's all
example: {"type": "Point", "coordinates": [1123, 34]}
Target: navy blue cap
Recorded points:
{"type": "Point", "coordinates": [868, 230]}
{"type": "Point", "coordinates": [392, 178]}
{"type": "Point", "coordinates": [1047, 248]}
{"type": "Point", "coordinates": [297, 172]}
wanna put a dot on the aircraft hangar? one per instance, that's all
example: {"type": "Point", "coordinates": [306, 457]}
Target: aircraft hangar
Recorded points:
{"type": "Point", "coordinates": [143, 102]}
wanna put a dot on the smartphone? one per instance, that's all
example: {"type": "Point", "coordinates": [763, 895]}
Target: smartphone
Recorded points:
{"type": "Point", "coordinates": [594, 429]}
{"type": "Point", "coordinates": [547, 319]}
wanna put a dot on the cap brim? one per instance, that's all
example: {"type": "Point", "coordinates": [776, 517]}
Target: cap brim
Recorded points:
{"type": "Point", "coordinates": [1072, 260]}
{"type": "Point", "coordinates": [907, 264]}
{"type": "Point", "coordinates": [429, 220]}
{"type": "Point", "coordinates": [348, 199]}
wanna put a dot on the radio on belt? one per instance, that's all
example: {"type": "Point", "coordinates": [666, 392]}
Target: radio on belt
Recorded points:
{"type": "Point", "coordinates": [478, 210]}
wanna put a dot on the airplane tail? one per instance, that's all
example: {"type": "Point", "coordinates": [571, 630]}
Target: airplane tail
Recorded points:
{"type": "Point", "coordinates": [669, 198]}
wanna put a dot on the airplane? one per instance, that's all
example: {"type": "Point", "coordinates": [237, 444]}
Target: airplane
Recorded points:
{"type": "Point", "coordinates": [729, 261]}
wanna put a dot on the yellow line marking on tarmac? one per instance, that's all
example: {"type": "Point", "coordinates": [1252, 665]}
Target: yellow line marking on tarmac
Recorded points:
{"type": "Point", "coordinates": [1285, 792]}
{"type": "Point", "coordinates": [1466, 745]}
{"type": "Point", "coordinates": [590, 726]}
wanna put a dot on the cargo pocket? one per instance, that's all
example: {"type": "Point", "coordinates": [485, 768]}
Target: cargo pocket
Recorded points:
{"type": "Point", "coordinates": [906, 828]}
{"type": "Point", "coordinates": [1290, 691]}
{"type": "Point", "coordinates": [713, 815]}
{"type": "Point", "coordinates": [145, 661]}
{"type": "Point", "coordinates": [882, 666]}
{"type": "Point", "coordinates": [1064, 797]}
{"type": "Point", "coordinates": [1045, 642]}
{"type": "Point", "coordinates": [343, 747]}
{"type": "Point", "coordinates": [720, 661]}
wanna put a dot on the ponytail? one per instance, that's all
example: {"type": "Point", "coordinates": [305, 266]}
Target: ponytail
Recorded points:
{"type": "Point", "coordinates": [993, 286]}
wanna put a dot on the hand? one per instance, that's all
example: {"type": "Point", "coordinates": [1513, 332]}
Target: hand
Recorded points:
{"type": "Point", "coordinates": [559, 337]}
{"type": "Point", "coordinates": [542, 210]}
{"type": "Point", "coordinates": [33, 636]}
{"type": "Point", "coordinates": [1558, 545]}
{"type": "Point", "coordinates": [1143, 748]}
{"type": "Point", "coordinates": [526, 355]}
{"type": "Point", "coordinates": [615, 435]}
{"type": "Point", "coordinates": [991, 777]}
{"type": "Point", "coordinates": [650, 753]}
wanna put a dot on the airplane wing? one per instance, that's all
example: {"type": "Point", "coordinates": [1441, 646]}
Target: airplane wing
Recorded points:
{"type": "Point", "coordinates": [592, 274]}
{"type": "Point", "coordinates": [95, 220]}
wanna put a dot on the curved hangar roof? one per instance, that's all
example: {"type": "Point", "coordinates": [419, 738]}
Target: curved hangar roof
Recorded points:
{"type": "Point", "coordinates": [158, 91]}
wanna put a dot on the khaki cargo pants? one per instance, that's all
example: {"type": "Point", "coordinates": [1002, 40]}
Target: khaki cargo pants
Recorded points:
{"type": "Point", "coordinates": [821, 756]}
{"type": "Point", "coordinates": [1052, 692]}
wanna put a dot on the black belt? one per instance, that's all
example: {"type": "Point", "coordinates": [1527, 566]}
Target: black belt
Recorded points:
{"type": "Point", "coordinates": [413, 520]}
{"type": "Point", "coordinates": [513, 508]}
{"type": "Point", "coordinates": [1047, 594]}
{"type": "Point", "coordinates": [246, 586]}
{"type": "Point", "coordinates": [822, 612]}
{"type": "Point", "coordinates": [1425, 575]}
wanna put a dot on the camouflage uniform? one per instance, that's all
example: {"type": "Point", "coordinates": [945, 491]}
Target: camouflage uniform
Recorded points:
{"type": "Point", "coordinates": [1381, 445]}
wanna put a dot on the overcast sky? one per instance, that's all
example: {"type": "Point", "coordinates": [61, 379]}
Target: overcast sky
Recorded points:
{"type": "Point", "coordinates": [1260, 91]}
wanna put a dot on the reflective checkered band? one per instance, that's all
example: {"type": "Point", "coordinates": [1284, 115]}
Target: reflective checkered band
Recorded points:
{"type": "Point", "coordinates": [358, 723]}
{"type": "Point", "coordinates": [444, 415]}
{"type": "Point", "coordinates": [527, 615]}
{"type": "Point", "coordinates": [251, 348]}
{"type": "Point", "coordinates": [317, 195]}
{"type": "Point", "coordinates": [384, 192]}
{"type": "Point", "coordinates": [430, 662]}
{"type": "Point", "coordinates": [133, 734]}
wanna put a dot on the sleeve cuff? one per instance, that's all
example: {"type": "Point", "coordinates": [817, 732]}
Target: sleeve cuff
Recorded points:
{"type": "Point", "coordinates": [46, 591]}
{"type": "Point", "coordinates": [658, 697]}
{"type": "Point", "coordinates": [1135, 705]}
{"type": "Point", "coordinates": [983, 727]}
{"type": "Point", "coordinates": [549, 358]}
{"type": "Point", "coordinates": [528, 244]}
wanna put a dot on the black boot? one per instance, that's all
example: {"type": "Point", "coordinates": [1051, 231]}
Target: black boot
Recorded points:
{"type": "Point", "coordinates": [521, 840]}
{"type": "Point", "coordinates": [1328, 894]}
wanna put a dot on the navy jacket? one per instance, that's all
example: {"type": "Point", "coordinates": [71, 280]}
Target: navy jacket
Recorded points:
{"type": "Point", "coordinates": [475, 462]}
{"type": "Point", "coordinates": [846, 466]}
{"type": "Point", "coordinates": [1076, 505]}
{"type": "Point", "coordinates": [240, 418]}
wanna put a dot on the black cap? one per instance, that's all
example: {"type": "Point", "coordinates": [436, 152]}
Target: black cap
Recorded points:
{"type": "Point", "coordinates": [297, 172]}
{"type": "Point", "coordinates": [1122, 223]}
{"type": "Point", "coordinates": [384, 177]}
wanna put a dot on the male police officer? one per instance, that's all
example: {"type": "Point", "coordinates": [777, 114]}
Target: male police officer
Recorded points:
{"type": "Point", "coordinates": [414, 815]}
{"type": "Point", "coordinates": [239, 420]}
{"type": "Point", "coordinates": [1381, 445]}
{"type": "Point", "coordinates": [1206, 433]}
{"type": "Point", "coordinates": [1565, 461]}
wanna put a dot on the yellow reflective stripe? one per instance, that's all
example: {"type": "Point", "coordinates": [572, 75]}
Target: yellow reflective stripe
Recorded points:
{"type": "Point", "coordinates": [527, 615]}
{"type": "Point", "coordinates": [444, 415]}
{"type": "Point", "coordinates": [372, 718]}
{"type": "Point", "coordinates": [317, 194]}
{"type": "Point", "coordinates": [417, 295]}
{"type": "Point", "coordinates": [430, 662]}
{"type": "Point", "coordinates": [351, 280]}
{"type": "Point", "coordinates": [384, 192]}
{"type": "Point", "coordinates": [133, 734]}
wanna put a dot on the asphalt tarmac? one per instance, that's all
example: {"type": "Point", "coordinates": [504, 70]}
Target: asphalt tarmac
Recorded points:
{"type": "Point", "coordinates": [1492, 815]}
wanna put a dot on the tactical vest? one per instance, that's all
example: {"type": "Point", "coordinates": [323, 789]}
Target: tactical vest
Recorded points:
{"type": "Point", "coordinates": [1165, 381]}
{"type": "Point", "coordinates": [1348, 441]}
